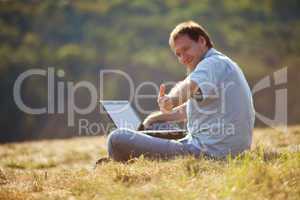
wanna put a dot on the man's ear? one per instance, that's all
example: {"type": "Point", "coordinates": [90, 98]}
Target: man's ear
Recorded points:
{"type": "Point", "coordinates": [201, 40]}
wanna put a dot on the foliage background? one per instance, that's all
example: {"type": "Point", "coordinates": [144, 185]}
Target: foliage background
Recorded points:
{"type": "Point", "coordinates": [84, 37]}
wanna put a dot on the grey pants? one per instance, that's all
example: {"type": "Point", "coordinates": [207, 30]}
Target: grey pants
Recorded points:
{"type": "Point", "coordinates": [124, 144]}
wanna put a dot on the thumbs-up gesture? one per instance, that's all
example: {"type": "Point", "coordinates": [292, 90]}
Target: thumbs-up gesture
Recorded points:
{"type": "Point", "coordinates": [163, 100]}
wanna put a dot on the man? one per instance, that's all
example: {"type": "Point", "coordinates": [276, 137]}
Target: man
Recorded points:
{"type": "Point", "coordinates": [214, 98]}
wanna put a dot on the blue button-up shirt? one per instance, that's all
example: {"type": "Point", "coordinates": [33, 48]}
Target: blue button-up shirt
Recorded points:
{"type": "Point", "coordinates": [221, 122]}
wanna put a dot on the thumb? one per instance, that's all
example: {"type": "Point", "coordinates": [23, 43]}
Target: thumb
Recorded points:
{"type": "Point", "coordinates": [162, 90]}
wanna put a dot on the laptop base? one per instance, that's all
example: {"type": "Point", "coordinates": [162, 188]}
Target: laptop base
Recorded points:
{"type": "Point", "coordinates": [166, 134]}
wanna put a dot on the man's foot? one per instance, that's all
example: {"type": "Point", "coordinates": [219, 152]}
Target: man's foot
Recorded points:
{"type": "Point", "coordinates": [101, 161]}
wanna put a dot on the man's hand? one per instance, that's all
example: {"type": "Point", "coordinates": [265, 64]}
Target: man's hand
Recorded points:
{"type": "Point", "coordinates": [163, 100]}
{"type": "Point", "coordinates": [148, 121]}
{"type": "Point", "coordinates": [152, 118]}
{"type": "Point", "coordinates": [178, 114]}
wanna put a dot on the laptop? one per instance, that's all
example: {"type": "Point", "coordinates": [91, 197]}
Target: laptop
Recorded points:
{"type": "Point", "coordinates": [122, 115]}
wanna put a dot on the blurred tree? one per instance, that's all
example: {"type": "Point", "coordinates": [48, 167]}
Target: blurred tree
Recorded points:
{"type": "Point", "coordinates": [83, 37]}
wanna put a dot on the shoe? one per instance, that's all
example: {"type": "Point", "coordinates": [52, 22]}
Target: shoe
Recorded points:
{"type": "Point", "coordinates": [102, 160]}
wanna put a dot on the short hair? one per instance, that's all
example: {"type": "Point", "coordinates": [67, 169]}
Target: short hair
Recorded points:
{"type": "Point", "coordinates": [193, 30]}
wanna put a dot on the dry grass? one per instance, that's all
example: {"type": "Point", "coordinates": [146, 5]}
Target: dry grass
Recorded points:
{"type": "Point", "coordinates": [63, 169]}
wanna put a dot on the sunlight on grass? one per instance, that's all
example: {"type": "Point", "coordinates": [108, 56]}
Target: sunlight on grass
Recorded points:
{"type": "Point", "coordinates": [64, 170]}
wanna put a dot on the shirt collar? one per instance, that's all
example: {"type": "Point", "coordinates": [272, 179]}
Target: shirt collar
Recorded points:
{"type": "Point", "coordinates": [211, 52]}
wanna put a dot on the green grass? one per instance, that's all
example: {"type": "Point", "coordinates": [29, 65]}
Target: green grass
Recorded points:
{"type": "Point", "coordinates": [63, 169]}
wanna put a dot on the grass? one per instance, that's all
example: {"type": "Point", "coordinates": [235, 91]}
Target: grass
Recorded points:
{"type": "Point", "coordinates": [63, 169]}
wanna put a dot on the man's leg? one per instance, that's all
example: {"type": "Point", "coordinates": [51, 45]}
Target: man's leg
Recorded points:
{"type": "Point", "coordinates": [124, 144]}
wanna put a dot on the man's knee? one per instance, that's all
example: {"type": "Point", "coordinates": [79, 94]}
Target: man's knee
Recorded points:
{"type": "Point", "coordinates": [118, 136]}
{"type": "Point", "coordinates": [116, 140]}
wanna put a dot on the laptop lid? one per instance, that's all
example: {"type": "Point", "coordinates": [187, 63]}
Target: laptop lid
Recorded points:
{"type": "Point", "coordinates": [122, 114]}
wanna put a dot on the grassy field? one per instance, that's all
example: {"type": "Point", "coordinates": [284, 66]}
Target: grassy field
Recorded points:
{"type": "Point", "coordinates": [63, 169]}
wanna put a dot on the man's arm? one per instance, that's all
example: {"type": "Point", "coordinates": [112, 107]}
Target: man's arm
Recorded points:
{"type": "Point", "coordinates": [178, 95]}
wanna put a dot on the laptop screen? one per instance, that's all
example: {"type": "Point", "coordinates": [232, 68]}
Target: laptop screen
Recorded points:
{"type": "Point", "coordinates": [122, 114]}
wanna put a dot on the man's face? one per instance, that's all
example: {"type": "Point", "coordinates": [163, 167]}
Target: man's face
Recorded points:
{"type": "Point", "coordinates": [188, 51]}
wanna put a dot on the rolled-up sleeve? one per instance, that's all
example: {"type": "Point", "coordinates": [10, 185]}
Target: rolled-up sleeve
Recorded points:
{"type": "Point", "coordinates": [204, 76]}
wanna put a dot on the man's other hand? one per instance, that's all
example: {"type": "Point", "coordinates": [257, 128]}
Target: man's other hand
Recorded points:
{"type": "Point", "coordinates": [148, 122]}
{"type": "Point", "coordinates": [152, 118]}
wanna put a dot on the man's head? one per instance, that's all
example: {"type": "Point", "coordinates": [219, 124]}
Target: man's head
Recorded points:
{"type": "Point", "coordinates": [190, 42]}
